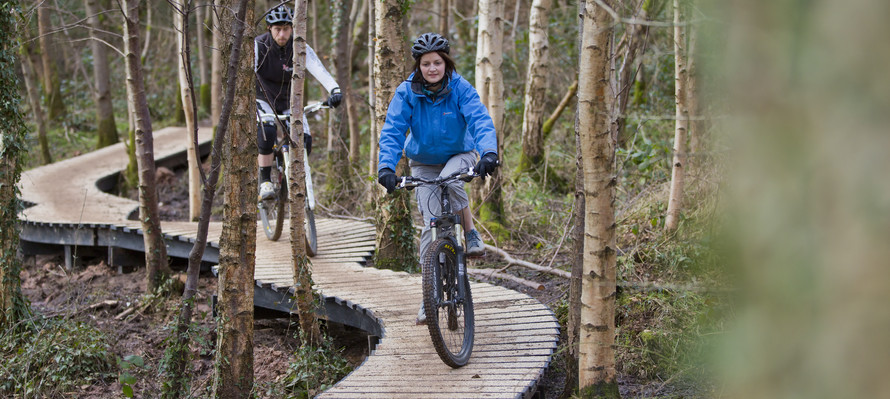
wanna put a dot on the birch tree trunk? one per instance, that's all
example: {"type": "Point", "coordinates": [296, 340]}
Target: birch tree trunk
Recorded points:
{"type": "Point", "coordinates": [678, 171]}
{"type": "Point", "coordinates": [12, 148]}
{"type": "Point", "coordinates": [107, 129]}
{"type": "Point", "coordinates": [490, 85]}
{"type": "Point", "coordinates": [597, 355]}
{"type": "Point", "coordinates": [237, 254]}
{"type": "Point", "coordinates": [393, 210]}
{"type": "Point", "coordinates": [535, 87]}
{"type": "Point", "coordinates": [808, 197]}
{"type": "Point", "coordinates": [306, 297]}
{"type": "Point", "coordinates": [155, 249]}
{"type": "Point", "coordinates": [181, 14]}
{"type": "Point", "coordinates": [52, 84]}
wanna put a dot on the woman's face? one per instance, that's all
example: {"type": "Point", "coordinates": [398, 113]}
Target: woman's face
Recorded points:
{"type": "Point", "coordinates": [432, 66]}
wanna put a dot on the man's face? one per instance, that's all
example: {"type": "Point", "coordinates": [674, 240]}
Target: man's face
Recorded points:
{"type": "Point", "coordinates": [281, 33]}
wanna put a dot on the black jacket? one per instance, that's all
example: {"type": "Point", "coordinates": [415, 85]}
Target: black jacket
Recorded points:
{"type": "Point", "coordinates": [274, 67]}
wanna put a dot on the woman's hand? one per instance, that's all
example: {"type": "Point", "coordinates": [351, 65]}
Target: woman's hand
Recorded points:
{"type": "Point", "coordinates": [387, 178]}
{"type": "Point", "coordinates": [486, 165]}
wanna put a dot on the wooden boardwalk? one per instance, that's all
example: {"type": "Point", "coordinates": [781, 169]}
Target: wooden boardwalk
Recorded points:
{"type": "Point", "coordinates": [516, 335]}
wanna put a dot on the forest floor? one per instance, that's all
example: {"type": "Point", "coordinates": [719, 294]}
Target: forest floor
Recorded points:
{"type": "Point", "coordinates": [95, 294]}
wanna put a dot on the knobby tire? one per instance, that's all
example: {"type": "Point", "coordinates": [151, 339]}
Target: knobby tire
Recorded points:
{"type": "Point", "coordinates": [273, 211]}
{"type": "Point", "coordinates": [450, 326]}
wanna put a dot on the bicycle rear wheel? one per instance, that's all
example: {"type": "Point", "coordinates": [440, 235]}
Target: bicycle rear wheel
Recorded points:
{"type": "Point", "coordinates": [311, 234]}
{"type": "Point", "coordinates": [273, 210]}
{"type": "Point", "coordinates": [448, 304]}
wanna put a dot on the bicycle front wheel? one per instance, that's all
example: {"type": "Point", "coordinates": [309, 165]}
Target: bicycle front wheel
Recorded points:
{"type": "Point", "coordinates": [311, 234]}
{"type": "Point", "coordinates": [273, 210]}
{"type": "Point", "coordinates": [448, 304]}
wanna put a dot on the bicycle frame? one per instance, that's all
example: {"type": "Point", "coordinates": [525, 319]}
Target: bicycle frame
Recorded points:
{"type": "Point", "coordinates": [448, 224]}
{"type": "Point", "coordinates": [284, 124]}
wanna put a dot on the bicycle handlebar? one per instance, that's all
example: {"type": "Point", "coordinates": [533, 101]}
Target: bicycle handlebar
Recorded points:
{"type": "Point", "coordinates": [308, 109]}
{"type": "Point", "coordinates": [409, 182]}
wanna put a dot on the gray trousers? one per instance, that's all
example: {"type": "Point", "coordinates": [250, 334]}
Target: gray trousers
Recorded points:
{"type": "Point", "coordinates": [428, 197]}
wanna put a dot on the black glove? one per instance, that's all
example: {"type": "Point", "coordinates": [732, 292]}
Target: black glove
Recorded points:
{"type": "Point", "coordinates": [486, 165]}
{"type": "Point", "coordinates": [387, 178]}
{"type": "Point", "coordinates": [307, 141]}
{"type": "Point", "coordinates": [335, 98]}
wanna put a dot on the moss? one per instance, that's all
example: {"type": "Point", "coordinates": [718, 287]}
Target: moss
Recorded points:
{"type": "Point", "coordinates": [603, 390]}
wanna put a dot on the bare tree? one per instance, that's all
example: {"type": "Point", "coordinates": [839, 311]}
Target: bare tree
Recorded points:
{"type": "Point", "coordinates": [634, 42]}
{"type": "Point", "coordinates": [596, 351]}
{"type": "Point", "coordinates": [237, 257]}
{"type": "Point", "coordinates": [444, 14]}
{"type": "Point", "coordinates": [107, 129]}
{"type": "Point", "coordinates": [12, 149]}
{"type": "Point", "coordinates": [681, 77]}
{"type": "Point", "coordinates": [490, 85]}
{"type": "Point", "coordinates": [156, 266]}
{"type": "Point", "coordinates": [394, 210]}
{"type": "Point", "coordinates": [52, 84]}
{"type": "Point", "coordinates": [37, 114]}
{"type": "Point", "coordinates": [306, 297]}
{"type": "Point", "coordinates": [176, 380]}
{"type": "Point", "coordinates": [181, 14]}
{"type": "Point", "coordinates": [203, 61]}
{"type": "Point", "coordinates": [696, 123]}
{"type": "Point", "coordinates": [215, 68]}
{"type": "Point", "coordinates": [535, 87]}
{"type": "Point", "coordinates": [353, 33]}
{"type": "Point", "coordinates": [372, 121]}
{"type": "Point", "coordinates": [340, 130]}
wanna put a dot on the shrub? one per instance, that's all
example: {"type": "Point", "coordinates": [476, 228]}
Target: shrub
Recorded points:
{"type": "Point", "coordinates": [52, 356]}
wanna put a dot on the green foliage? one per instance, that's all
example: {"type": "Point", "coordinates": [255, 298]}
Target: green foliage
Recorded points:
{"type": "Point", "coordinates": [662, 333]}
{"type": "Point", "coordinates": [315, 369]}
{"type": "Point", "coordinates": [177, 352]}
{"type": "Point", "coordinates": [52, 356]}
{"type": "Point", "coordinates": [126, 379]}
{"type": "Point", "coordinates": [665, 331]}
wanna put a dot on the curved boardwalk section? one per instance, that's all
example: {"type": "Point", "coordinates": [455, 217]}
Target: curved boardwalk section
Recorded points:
{"type": "Point", "coordinates": [515, 334]}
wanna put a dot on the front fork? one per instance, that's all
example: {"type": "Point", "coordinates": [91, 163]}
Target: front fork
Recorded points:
{"type": "Point", "coordinates": [458, 239]}
{"type": "Point", "coordinates": [310, 190]}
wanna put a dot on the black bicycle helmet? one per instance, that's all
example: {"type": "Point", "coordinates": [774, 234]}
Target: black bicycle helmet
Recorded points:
{"type": "Point", "coordinates": [429, 42]}
{"type": "Point", "coordinates": [280, 14]}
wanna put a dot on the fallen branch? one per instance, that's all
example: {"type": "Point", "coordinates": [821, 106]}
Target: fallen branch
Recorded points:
{"type": "Point", "coordinates": [108, 302]}
{"type": "Point", "coordinates": [488, 273]}
{"type": "Point", "coordinates": [513, 261]}
{"type": "Point", "coordinates": [125, 313]}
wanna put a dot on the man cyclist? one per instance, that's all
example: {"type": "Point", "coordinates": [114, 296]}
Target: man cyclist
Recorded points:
{"type": "Point", "coordinates": [273, 64]}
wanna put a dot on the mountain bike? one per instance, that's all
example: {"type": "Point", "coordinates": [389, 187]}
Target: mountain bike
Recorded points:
{"type": "Point", "coordinates": [274, 209]}
{"type": "Point", "coordinates": [447, 300]}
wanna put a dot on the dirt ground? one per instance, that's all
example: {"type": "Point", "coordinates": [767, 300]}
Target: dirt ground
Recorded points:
{"type": "Point", "coordinates": [98, 295]}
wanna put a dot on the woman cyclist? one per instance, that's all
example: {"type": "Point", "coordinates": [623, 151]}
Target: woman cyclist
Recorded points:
{"type": "Point", "coordinates": [447, 127]}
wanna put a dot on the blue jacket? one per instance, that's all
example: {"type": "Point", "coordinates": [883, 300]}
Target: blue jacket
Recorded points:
{"type": "Point", "coordinates": [455, 122]}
